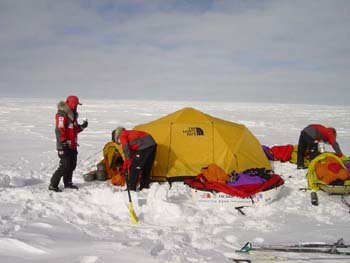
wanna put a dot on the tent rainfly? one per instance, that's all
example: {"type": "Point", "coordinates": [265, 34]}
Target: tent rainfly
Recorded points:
{"type": "Point", "coordinates": [189, 140]}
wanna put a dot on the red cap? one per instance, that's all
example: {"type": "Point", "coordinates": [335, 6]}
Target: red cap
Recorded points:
{"type": "Point", "coordinates": [73, 101]}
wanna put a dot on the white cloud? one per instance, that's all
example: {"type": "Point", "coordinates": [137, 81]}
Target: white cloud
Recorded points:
{"type": "Point", "coordinates": [281, 50]}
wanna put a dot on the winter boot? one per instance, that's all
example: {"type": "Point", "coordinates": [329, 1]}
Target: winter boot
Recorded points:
{"type": "Point", "coordinates": [54, 188]}
{"type": "Point", "coordinates": [71, 186]}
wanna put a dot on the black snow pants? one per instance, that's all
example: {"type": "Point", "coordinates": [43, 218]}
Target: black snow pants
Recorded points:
{"type": "Point", "coordinates": [68, 163]}
{"type": "Point", "coordinates": [306, 143]}
{"type": "Point", "coordinates": [141, 166]}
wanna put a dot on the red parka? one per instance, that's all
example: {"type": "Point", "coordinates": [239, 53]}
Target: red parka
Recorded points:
{"type": "Point", "coordinates": [133, 141]}
{"type": "Point", "coordinates": [67, 127]}
{"type": "Point", "coordinates": [321, 133]}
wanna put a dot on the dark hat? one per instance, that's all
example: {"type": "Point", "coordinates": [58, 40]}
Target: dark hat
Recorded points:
{"type": "Point", "coordinates": [116, 132]}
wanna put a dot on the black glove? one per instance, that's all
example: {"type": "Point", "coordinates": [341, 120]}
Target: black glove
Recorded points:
{"type": "Point", "coordinates": [65, 145]}
{"type": "Point", "coordinates": [85, 124]}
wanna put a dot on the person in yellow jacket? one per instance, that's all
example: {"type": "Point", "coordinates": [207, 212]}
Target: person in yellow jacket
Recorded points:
{"type": "Point", "coordinates": [113, 163]}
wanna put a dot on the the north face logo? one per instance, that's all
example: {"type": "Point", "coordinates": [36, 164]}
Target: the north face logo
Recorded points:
{"type": "Point", "coordinates": [193, 131]}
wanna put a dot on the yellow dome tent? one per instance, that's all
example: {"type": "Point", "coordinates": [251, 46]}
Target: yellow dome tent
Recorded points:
{"type": "Point", "coordinates": [189, 140]}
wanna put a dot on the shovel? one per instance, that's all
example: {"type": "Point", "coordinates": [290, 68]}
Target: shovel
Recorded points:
{"type": "Point", "coordinates": [132, 213]}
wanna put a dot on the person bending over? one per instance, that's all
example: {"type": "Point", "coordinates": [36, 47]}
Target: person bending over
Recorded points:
{"type": "Point", "coordinates": [309, 138]}
{"type": "Point", "coordinates": [139, 150]}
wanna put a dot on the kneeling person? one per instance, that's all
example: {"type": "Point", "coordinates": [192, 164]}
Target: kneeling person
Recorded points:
{"type": "Point", "coordinates": [113, 163]}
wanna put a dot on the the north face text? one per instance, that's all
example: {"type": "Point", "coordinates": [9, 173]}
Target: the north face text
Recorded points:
{"type": "Point", "coordinates": [193, 131]}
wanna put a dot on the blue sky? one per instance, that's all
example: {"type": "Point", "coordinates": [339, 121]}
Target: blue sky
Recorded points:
{"type": "Point", "coordinates": [292, 51]}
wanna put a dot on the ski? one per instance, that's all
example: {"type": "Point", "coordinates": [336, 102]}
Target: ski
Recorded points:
{"type": "Point", "coordinates": [338, 244]}
{"type": "Point", "coordinates": [269, 258]}
{"type": "Point", "coordinates": [280, 248]}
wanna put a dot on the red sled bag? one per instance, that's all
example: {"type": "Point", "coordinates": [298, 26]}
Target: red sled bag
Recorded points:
{"type": "Point", "coordinates": [282, 153]}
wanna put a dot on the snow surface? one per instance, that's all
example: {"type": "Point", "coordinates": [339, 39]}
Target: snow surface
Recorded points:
{"type": "Point", "coordinates": [93, 224]}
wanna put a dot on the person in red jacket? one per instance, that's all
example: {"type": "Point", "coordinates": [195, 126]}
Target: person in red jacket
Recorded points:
{"type": "Point", "coordinates": [139, 150]}
{"type": "Point", "coordinates": [309, 138]}
{"type": "Point", "coordinates": [67, 129]}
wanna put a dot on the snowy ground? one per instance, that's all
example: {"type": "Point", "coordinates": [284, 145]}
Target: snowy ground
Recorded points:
{"type": "Point", "coordinates": [93, 225]}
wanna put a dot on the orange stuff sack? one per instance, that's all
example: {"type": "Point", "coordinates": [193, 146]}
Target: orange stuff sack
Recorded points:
{"type": "Point", "coordinates": [214, 173]}
{"type": "Point", "coordinates": [329, 170]}
{"type": "Point", "coordinates": [118, 179]}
